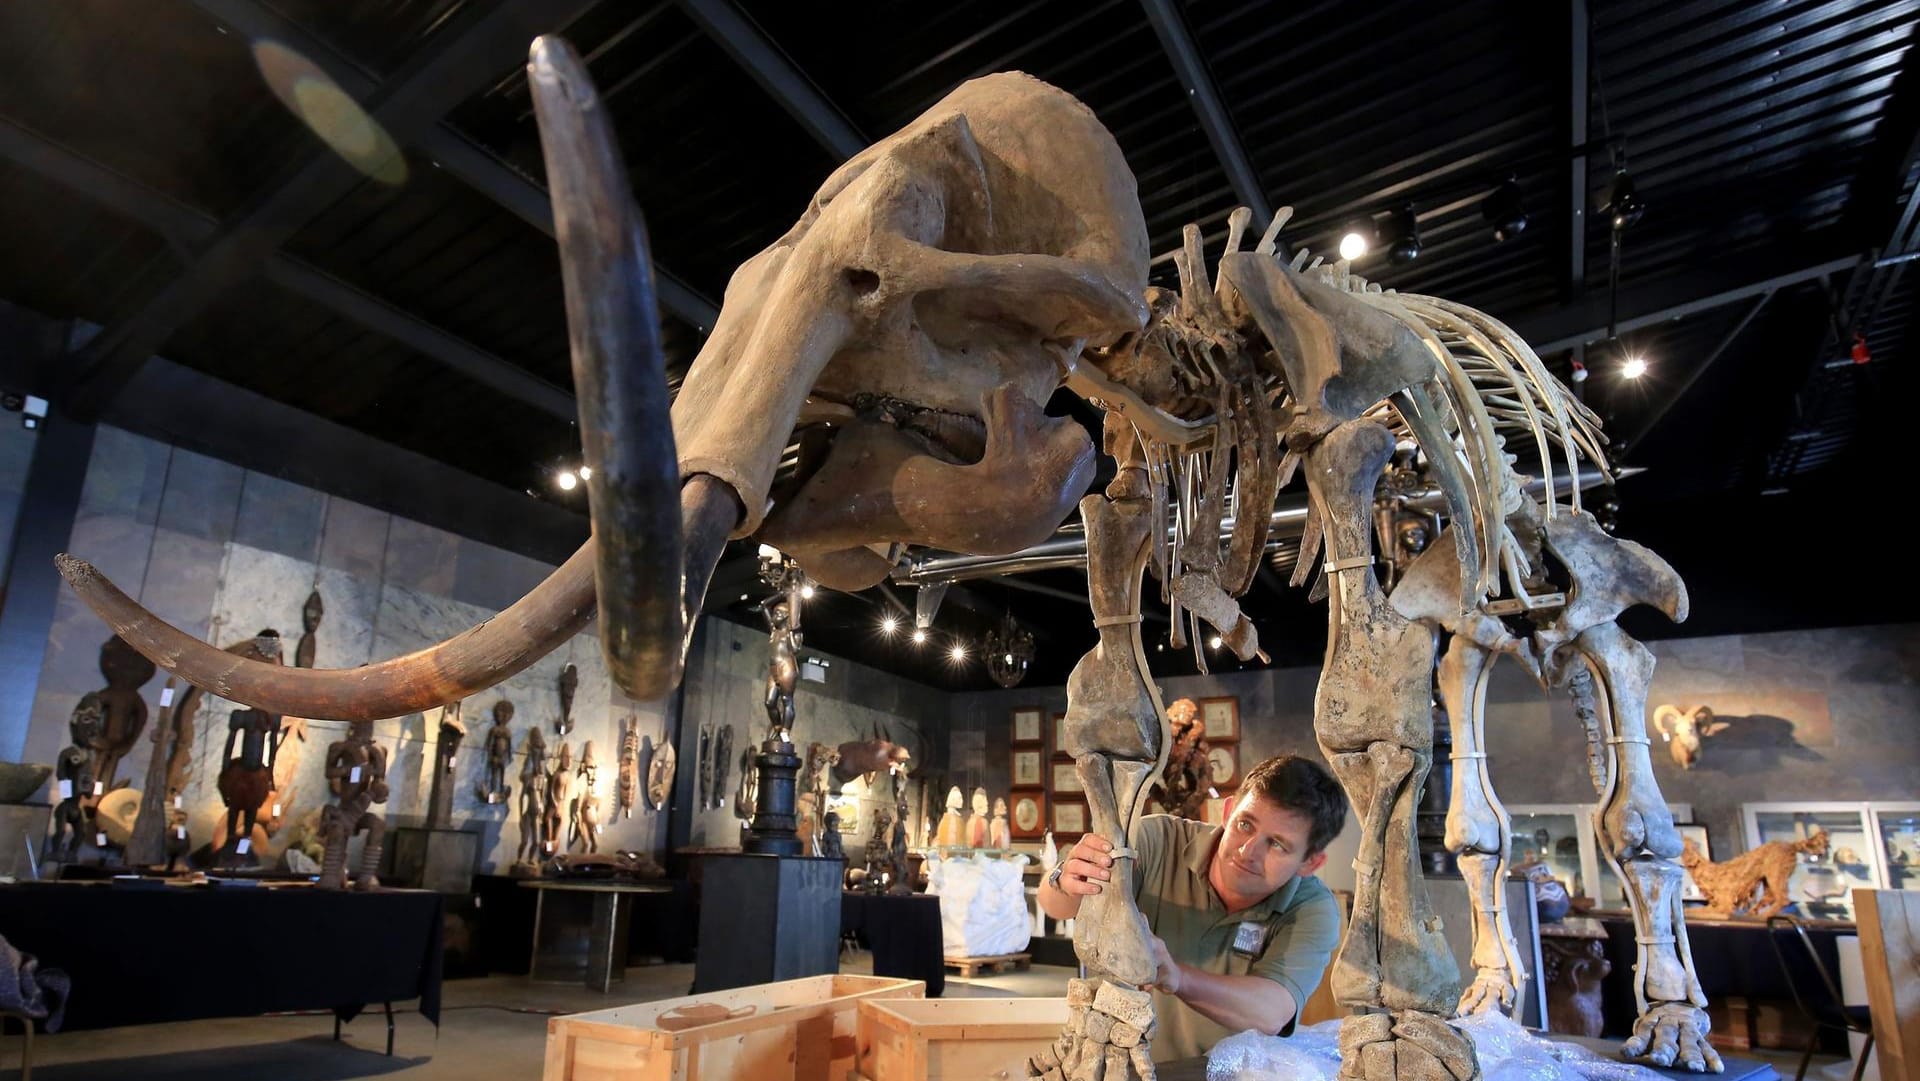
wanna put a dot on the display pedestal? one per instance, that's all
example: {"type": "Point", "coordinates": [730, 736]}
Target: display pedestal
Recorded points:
{"type": "Point", "coordinates": [437, 860]}
{"type": "Point", "coordinates": [17, 820]}
{"type": "Point", "coordinates": [766, 918]}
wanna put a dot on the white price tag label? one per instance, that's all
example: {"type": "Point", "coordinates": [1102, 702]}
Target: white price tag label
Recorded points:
{"type": "Point", "coordinates": [176, 801]}
{"type": "Point", "coordinates": [245, 846]}
{"type": "Point", "coordinates": [276, 811]}
{"type": "Point", "coordinates": [166, 697]}
{"type": "Point", "coordinates": [66, 789]}
{"type": "Point", "coordinates": [99, 787]}
{"type": "Point", "coordinates": [99, 840]}
{"type": "Point", "coordinates": [353, 777]}
{"type": "Point", "coordinates": [180, 832]}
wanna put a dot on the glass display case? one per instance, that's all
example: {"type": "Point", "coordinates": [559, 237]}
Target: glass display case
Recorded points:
{"type": "Point", "coordinates": [1561, 835]}
{"type": "Point", "coordinates": [1553, 834]}
{"type": "Point", "coordinates": [1896, 826]}
{"type": "Point", "coordinates": [1822, 884]}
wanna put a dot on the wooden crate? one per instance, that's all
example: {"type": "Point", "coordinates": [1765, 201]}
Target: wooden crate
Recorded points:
{"type": "Point", "coordinates": [956, 1039]}
{"type": "Point", "coordinates": [797, 1030]}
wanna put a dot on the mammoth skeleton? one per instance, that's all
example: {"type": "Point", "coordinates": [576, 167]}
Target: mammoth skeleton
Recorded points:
{"type": "Point", "coordinates": [906, 334]}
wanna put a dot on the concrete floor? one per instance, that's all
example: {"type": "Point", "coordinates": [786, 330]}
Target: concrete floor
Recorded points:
{"type": "Point", "coordinates": [492, 1028]}
{"type": "Point", "coordinates": [489, 1028]}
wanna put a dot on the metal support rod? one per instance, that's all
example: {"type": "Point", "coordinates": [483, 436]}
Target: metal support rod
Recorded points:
{"type": "Point", "coordinates": [1188, 64]}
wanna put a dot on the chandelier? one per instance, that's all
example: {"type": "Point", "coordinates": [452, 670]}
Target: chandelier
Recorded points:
{"type": "Point", "coordinates": [1009, 652]}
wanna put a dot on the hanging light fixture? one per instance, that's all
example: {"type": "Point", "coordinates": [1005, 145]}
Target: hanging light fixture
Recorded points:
{"type": "Point", "coordinates": [1009, 652]}
{"type": "Point", "coordinates": [1356, 239]}
{"type": "Point", "coordinates": [1402, 236]}
{"type": "Point", "coordinates": [1504, 210]}
{"type": "Point", "coordinates": [1624, 207]}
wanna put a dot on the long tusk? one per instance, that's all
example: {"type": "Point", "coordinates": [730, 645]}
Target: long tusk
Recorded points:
{"type": "Point", "coordinates": [619, 375]}
{"type": "Point", "coordinates": [554, 611]}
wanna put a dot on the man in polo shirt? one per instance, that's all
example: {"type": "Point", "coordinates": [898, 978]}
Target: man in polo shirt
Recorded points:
{"type": "Point", "coordinates": [1243, 931]}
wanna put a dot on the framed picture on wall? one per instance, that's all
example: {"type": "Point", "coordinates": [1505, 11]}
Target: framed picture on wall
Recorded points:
{"type": "Point", "coordinates": [1028, 768]}
{"type": "Point", "coordinates": [1220, 719]}
{"type": "Point", "coordinates": [1066, 779]}
{"type": "Point", "coordinates": [1027, 727]}
{"type": "Point", "coordinates": [1059, 735]}
{"type": "Point", "coordinates": [1069, 818]}
{"type": "Point", "coordinates": [1223, 766]}
{"type": "Point", "coordinates": [1027, 814]}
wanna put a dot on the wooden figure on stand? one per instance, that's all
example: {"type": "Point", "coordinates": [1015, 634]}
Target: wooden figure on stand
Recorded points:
{"type": "Point", "coordinates": [246, 782]}
{"type": "Point", "coordinates": [586, 805]}
{"type": "Point", "coordinates": [499, 753]}
{"type": "Point", "coordinates": [123, 711]}
{"type": "Point", "coordinates": [533, 804]}
{"type": "Point", "coordinates": [73, 780]}
{"type": "Point", "coordinates": [559, 801]}
{"type": "Point", "coordinates": [357, 777]}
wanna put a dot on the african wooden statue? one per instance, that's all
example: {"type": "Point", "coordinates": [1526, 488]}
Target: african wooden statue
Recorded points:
{"type": "Point", "coordinates": [533, 799]}
{"type": "Point", "coordinates": [499, 753]}
{"type": "Point", "coordinates": [586, 802]}
{"type": "Point", "coordinates": [627, 781]}
{"type": "Point", "coordinates": [74, 780]}
{"type": "Point", "coordinates": [124, 712]}
{"type": "Point", "coordinates": [440, 792]}
{"type": "Point", "coordinates": [357, 777]}
{"type": "Point", "coordinates": [660, 770]}
{"type": "Point", "coordinates": [559, 802]}
{"type": "Point", "coordinates": [246, 780]}
{"type": "Point", "coordinates": [154, 823]}
{"type": "Point", "coordinates": [310, 614]}
{"type": "Point", "coordinates": [569, 683]}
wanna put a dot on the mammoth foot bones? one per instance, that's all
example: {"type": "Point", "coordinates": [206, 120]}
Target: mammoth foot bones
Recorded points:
{"type": "Point", "coordinates": [1406, 1045]}
{"type": "Point", "coordinates": [1108, 1037]}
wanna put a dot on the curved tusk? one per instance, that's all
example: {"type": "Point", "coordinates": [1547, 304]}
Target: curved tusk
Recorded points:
{"type": "Point", "coordinates": [642, 574]}
{"type": "Point", "coordinates": [554, 611]}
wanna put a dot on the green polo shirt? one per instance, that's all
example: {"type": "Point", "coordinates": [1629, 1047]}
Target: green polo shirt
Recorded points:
{"type": "Point", "coordinates": [1301, 922]}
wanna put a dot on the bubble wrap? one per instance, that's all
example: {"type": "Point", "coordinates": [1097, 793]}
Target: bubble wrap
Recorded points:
{"type": "Point", "coordinates": [1507, 1052]}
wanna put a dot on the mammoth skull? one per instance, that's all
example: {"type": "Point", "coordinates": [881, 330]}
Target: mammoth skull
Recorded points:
{"type": "Point", "coordinates": [907, 331]}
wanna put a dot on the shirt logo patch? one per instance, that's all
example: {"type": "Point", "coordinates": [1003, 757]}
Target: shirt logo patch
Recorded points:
{"type": "Point", "coordinates": [1249, 937]}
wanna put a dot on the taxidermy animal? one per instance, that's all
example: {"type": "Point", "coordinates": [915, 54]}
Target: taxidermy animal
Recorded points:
{"type": "Point", "coordinates": [1754, 883]}
{"type": "Point", "coordinates": [907, 334]}
{"type": "Point", "coordinates": [1684, 729]}
{"type": "Point", "coordinates": [868, 757]}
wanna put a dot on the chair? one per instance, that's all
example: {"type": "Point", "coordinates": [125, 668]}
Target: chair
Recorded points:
{"type": "Point", "coordinates": [1830, 1012]}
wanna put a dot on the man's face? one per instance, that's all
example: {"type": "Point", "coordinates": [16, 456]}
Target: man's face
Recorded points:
{"type": "Point", "coordinates": [1262, 847]}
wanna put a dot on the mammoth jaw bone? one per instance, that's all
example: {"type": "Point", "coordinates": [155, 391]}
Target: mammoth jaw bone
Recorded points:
{"type": "Point", "coordinates": [650, 584]}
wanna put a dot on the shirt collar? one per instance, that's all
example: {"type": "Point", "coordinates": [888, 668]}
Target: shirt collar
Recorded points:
{"type": "Point", "coordinates": [1201, 862]}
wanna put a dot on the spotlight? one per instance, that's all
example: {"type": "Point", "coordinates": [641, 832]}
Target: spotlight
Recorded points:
{"type": "Point", "coordinates": [806, 592]}
{"type": "Point", "coordinates": [957, 653]}
{"type": "Point", "coordinates": [919, 636]}
{"type": "Point", "coordinates": [1624, 206]}
{"type": "Point", "coordinates": [889, 625]}
{"type": "Point", "coordinates": [1403, 236]}
{"type": "Point", "coordinates": [1356, 238]}
{"type": "Point", "coordinates": [1215, 642]}
{"type": "Point", "coordinates": [1503, 210]}
{"type": "Point", "coordinates": [1634, 367]}
{"type": "Point", "coordinates": [566, 480]}
{"type": "Point", "coordinates": [586, 472]}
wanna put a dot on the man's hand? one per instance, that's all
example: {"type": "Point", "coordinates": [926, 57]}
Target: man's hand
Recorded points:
{"type": "Point", "coordinates": [1087, 866]}
{"type": "Point", "coordinates": [1166, 971]}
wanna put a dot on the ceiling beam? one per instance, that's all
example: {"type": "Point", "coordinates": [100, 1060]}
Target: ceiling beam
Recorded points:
{"type": "Point", "coordinates": [189, 229]}
{"type": "Point", "coordinates": [1205, 99]}
{"type": "Point", "coordinates": [457, 155]}
{"type": "Point", "coordinates": [1577, 106]}
{"type": "Point", "coordinates": [778, 75]}
{"type": "Point", "coordinates": [454, 64]}
{"type": "Point", "coordinates": [1585, 321]}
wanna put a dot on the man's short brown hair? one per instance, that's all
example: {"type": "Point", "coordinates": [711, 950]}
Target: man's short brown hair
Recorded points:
{"type": "Point", "coordinates": [1305, 787]}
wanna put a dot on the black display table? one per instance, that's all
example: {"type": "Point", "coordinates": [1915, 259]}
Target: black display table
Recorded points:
{"type": "Point", "coordinates": [902, 931]}
{"type": "Point", "coordinates": [140, 955]}
{"type": "Point", "coordinates": [766, 918]}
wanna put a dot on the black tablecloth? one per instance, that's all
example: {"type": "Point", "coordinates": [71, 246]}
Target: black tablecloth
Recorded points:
{"type": "Point", "coordinates": [142, 955]}
{"type": "Point", "coordinates": [902, 931]}
{"type": "Point", "coordinates": [1730, 959]}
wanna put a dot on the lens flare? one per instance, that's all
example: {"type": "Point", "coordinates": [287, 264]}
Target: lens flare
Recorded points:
{"type": "Point", "coordinates": [330, 113]}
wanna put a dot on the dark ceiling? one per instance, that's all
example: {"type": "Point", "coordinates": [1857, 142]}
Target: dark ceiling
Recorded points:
{"type": "Point", "coordinates": [152, 183]}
